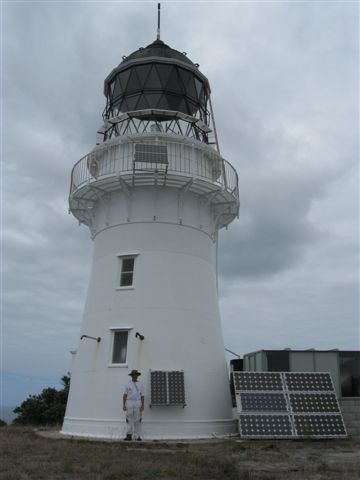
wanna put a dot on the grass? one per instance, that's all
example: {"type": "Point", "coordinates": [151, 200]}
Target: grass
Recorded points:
{"type": "Point", "coordinates": [26, 455]}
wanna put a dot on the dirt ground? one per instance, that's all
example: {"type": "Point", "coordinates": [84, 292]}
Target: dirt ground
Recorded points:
{"type": "Point", "coordinates": [26, 454]}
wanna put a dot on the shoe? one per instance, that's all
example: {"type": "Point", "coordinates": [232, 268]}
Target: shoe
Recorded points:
{"type": "Point", "coordinates": [128, 438]}
{"type": "Point", "coordinates": [139, 439]}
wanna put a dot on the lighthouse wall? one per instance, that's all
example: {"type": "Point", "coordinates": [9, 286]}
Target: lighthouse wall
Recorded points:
{"type": "Point", "coordinates": [172, 302]}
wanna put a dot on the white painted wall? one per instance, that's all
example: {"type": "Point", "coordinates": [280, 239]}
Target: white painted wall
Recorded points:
{"type": "Point", "coordinates": [173, 303]}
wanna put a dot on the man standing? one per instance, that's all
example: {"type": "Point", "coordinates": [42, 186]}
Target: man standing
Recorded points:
{"type": "Point", "coordinates": [133, 405]}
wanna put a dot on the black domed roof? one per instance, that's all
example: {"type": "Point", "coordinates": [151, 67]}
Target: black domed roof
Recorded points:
{"type": "Point", "coordinates": [157, 77]}
{"type": "Point", "coordinates": [158, 49]}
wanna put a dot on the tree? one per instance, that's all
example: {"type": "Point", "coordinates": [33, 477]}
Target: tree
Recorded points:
{"type": "Point", "coordinates": [47, 408]}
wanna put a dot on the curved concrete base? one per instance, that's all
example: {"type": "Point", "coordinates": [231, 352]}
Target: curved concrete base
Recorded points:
{"type": "Point", "coordinates": [116, 429]}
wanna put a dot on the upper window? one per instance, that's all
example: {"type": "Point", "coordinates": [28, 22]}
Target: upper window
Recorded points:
{"type": "Point", "coordinates": [127, 271]}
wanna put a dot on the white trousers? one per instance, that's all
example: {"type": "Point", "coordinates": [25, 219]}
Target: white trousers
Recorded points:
{"type": "Point", "coordinates": [133, 418]}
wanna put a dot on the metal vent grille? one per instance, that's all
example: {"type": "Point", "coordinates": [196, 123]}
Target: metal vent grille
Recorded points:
{"type": "Point", "coordinates": [150, 157]}
{"type": "Point", "coordinates": [289, 404]}
{"type": "Point", "coordinates": [167, 387]}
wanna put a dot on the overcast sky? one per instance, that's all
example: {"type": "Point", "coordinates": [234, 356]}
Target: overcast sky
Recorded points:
{"type": "Point", "coordinates": [284, 78]}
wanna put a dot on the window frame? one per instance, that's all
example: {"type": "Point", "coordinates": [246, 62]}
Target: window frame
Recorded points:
{"type": "Point", "coordinates": [120, 259]}
{"type": "Point", "coordinates": [113, 331]}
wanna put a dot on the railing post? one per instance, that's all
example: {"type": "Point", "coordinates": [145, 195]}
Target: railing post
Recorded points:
{"type": "Point", "coordinates": [224, 173]}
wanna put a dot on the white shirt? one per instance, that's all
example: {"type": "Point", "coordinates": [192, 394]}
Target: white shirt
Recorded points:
{"type": "Point", "coordinates": [134, 391]}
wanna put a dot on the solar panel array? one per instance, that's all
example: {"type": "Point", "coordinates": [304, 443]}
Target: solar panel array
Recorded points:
{"type": "Point", "coordinates": [287, 405]}
{"type": "Point", "coordinates": [167, 387]}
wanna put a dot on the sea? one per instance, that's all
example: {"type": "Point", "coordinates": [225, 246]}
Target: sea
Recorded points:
{"type": "Point", "coordinates": [7, 414]}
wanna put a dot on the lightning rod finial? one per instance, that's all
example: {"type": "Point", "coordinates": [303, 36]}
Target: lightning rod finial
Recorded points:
{"type": "Point", "coordinates": [158, 28]}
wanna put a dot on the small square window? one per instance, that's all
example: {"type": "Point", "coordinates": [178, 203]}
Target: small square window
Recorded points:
{"type": "Point", "coordinates": [127, 271]}
{"type": "Point", "coordinates": [120, 346]}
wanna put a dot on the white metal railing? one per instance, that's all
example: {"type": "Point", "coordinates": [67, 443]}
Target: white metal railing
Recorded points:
{"type": "Point", "coordinates": [183, 159]}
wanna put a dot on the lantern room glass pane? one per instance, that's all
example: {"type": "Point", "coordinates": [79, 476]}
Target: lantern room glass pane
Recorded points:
{"type": "Point", "coordinates": [190, 89]}
{"type": "Point", "coordinates": [111, 87]}
{"type": "Point", "coordinates": [153, 99]}
{"type": "Point", "coordinates": [132, 102]}
{"type": "Point", "coordinates": [123, 106]}
{"type": "Point", "coordinates": [142, 104]}
{"type": "Point", "coordinates": [164, 72]}
{"type": "Point", "coordinates": [123, 78]}
{"type": "Point", "coordinates": [185, 77]}
{"type": "Point", "coordinates": [133, 84]}
{"type": "Point", "coordinates": [173, 101]}
{"type": "Point", "coordinates": [142, 73]}
{"type": "Point", "coordinates": [117, 89]}
{"type": "Point", "coordinates": [173, 84]}
{"type": "Point", "coordinates": [153, 80]}
{"type": "Point", "coordinates": [198, 86]}
{"type": "Point", "coordinates": [183, 106]}
{"type": "Point", "coordinates": [163, 103]}
{"type": "Point", "coordinates": [192, 107]}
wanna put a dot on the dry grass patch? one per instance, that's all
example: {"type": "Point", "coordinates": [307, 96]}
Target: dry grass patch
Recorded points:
{"type": "Point", "coordinates": [26, 455]}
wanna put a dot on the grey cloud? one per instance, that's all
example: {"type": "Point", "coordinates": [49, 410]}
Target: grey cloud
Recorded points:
{"type": "Point", "coordinates": [284, 82]}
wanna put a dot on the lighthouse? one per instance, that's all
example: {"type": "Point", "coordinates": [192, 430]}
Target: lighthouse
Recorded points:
{"type": "Point", "coordinates": [154, 193]}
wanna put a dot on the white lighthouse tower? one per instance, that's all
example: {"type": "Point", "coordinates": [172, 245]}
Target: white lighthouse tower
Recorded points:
{"type": "Point", "coordinates": [154, 194]}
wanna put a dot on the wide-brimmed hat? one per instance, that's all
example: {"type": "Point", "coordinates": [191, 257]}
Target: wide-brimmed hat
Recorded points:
{"type": "Point", "coordinates": [134, 372]}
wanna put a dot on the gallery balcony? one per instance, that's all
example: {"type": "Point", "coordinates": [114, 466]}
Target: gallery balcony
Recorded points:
{"type": "Point", "coordinates": [154, 159]}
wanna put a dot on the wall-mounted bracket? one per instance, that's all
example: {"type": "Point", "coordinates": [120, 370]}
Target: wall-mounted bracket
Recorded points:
{"type": "Point", "coordinates": [97, 339]}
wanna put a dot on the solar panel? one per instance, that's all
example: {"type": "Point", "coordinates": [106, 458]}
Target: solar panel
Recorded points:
{"type": "Point", "coordinates": [263, 402]}
{"type": "Point", "coordinates": [296, 381]}
{"type": "Point", "coordinates": [314, 402]}
{"type": "Point", "coordinates": [265, 425]}
{"type": "Point", "coordinates": [319, 425]}
{"type": "Point", "coordinates": [287, 404]}
{"type": "Point", "coordinates": [257, 381]}
{"type": "Point", "coordinates": [167, 387]}
{"type": "Point", "coordinates": [158, 388]}
{"type": "Point", "coordinates": [176, 388]}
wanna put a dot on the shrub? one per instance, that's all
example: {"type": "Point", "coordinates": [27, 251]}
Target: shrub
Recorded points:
{"type": "Point", "coordinates": [47, 408]}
